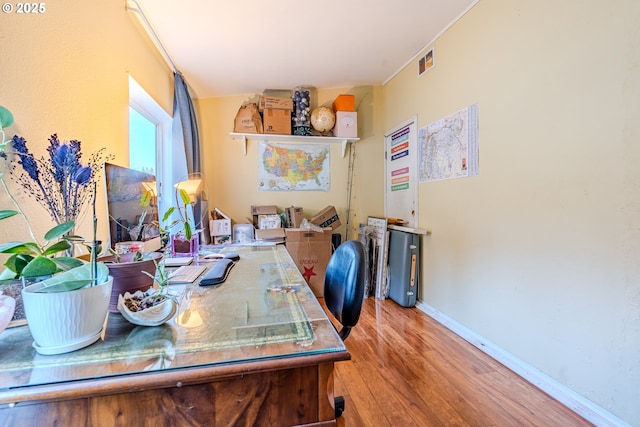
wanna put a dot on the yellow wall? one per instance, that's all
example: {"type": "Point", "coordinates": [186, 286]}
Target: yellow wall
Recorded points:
{"type": "Point", "coordinates": [539, 253]}
{"type": "Point", "coordinates": [232, 177]}
{"type": "Point", "coordinates": [65, 71]}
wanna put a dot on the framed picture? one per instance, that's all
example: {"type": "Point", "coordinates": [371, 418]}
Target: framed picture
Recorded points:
{"type": "Point", "coordinates": [426, 62]}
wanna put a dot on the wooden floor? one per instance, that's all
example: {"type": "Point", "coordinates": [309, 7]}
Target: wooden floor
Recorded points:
{"type": "Point", "coordinates": [408, 370]}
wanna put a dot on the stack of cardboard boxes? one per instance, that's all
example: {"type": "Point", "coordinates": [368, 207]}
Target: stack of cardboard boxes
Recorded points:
{"type": "Point", "coordinates": [346, 117]}
{"type": "Point", "coordinates": [267, 223]}
{"type": "Point", "coordinates": [272, 115]}
{"type": "Point", "coordinates": [309, 249]}
{"type": "Point", "coordinates": [276, 114]}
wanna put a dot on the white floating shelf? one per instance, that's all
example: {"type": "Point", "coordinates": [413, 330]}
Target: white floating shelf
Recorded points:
{"type": "Point", "coordinates": [408, 229]}
{"type": "Point", "coordinates": [291, 138]}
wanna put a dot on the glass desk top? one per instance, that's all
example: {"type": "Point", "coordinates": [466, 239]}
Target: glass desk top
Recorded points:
{"type": "Point", "coordinates": [264, 310]}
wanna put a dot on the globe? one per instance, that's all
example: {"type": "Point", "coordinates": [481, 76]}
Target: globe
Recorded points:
{"type": "Point", "coordinates": [323, 119]}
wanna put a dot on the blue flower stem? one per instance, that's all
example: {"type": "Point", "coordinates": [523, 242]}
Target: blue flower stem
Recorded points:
{"type": "Point", "coordinates": [52, 208]}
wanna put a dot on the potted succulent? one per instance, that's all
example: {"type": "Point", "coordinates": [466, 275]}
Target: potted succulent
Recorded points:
{"type": "Point", "coordinates": [66, 311]}
{"type": "Point", "coordinates": [152, 307]}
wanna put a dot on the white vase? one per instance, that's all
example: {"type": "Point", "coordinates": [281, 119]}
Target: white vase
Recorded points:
{"type": "Point", "coordinates": [61, 322]}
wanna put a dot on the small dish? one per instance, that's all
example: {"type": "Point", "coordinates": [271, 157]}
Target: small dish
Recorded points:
{"type": "Point", "coordinates": [49, 351]}
{"type": "Point", "coordinates": [152, 316]}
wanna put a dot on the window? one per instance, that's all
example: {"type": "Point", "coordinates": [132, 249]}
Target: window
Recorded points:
{"type": "Point", "coordinates": [149, 138]}
{"type": "Point", "coordinates": [143, 142]}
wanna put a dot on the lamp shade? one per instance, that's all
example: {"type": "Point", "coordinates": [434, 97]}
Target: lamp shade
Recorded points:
{"type": "Point", "coordinates": [151, 187]}
{"type": "Point", "coordinates": [191, 186]}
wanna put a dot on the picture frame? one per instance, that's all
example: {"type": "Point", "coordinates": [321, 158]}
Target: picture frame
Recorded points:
{"type": "Point", "coordinates": [426, 62]}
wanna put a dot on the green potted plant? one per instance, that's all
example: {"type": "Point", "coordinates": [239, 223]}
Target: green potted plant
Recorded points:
{"type": "Point", "coordinates": [184, 242]}
{"type": "Point", "coordinates": [29, 261]}
{"type": "Point", "coordinates": [66, 311]}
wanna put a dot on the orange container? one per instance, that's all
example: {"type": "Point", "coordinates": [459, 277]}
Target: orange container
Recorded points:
{"type": "Point", "coordinates": [344, 103]}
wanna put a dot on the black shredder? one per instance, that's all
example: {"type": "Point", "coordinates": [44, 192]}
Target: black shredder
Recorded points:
{"type": "Point", "coordinates": [404, 267]}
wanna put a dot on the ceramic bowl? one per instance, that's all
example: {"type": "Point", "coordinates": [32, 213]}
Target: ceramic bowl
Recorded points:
{"type": "Point", "coordinates": [153, 316]}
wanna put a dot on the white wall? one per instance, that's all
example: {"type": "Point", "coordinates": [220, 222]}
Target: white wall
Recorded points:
{"type": "Point", "coordinates": [540, 253]}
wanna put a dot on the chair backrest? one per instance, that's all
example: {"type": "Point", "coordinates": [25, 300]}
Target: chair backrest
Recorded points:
{"type": "Point", "coordinates": [344, 283]}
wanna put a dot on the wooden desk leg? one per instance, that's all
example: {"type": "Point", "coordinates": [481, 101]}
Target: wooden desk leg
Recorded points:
{"type": "Point", "coordinates": [326, 410]}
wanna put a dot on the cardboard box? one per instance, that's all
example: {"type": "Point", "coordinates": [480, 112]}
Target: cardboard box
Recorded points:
{"type": "Point", "coordinates": [276, 114]}
{"type": "Point", "coordinates": [274, 102]}
{"type": "Point", "coordinates": [275, 234]}
{"type": "Point", "coordinates": [248, 119]}
{"type": "Point", "coordinates": [310, 250]}
{"type": "Point", "coordinates": [346, 124]}
{"type": "Point", "coordinates": [276, 121]}
{"type": "Point", "coordinates": [220, 231]}
{"type": "Point", "coordinates": [220, 227]}
{"type": "Point", "coordinates": [269, 221]}
{"type": "Point", "coordinates": [327, 217]}
{"type": "Point", "coordinates": [344, 103]}
{"type": "Point", "coordinates": [294, 217]}
{"type": "Point", "coordinates": [262, 210]}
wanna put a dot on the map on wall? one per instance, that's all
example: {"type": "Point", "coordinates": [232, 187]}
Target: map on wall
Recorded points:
{"type": "Point", "coordinates": [303, 167]}
{"type": "Point", "coordinates": [448, 148]}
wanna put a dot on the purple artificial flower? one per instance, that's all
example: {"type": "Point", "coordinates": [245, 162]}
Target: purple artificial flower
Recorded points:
{"type": "Point", "coordinates": [59, 183]}
{"type": "Point", "coordinates": [27, 161]}
{"type": "Point", "coordinates": [60, 156]}
{"type": "Point", "coordinates": [73, 158]}
{"type": "Point", "coordinates": [58, 161]}
{"type": "Point", "coordinates": [83, 175]}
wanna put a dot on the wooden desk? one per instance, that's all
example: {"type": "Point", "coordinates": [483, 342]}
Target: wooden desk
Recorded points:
{"type": "Point", "coordinates": [245, 353]}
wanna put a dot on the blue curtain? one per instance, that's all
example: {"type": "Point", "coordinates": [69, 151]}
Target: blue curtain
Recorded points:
{"type": "Point", "coordinates": [183, 109]}
{"type": "Point", "coordinates": [186, 128]}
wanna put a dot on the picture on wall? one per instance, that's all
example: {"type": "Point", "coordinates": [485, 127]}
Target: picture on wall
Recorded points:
{"type": "Point", "coordinates": [294, 167]}
{"type": "Point", "coordinates": [425, 63]}
{"type": "Point", "coordinates": [448, 148]}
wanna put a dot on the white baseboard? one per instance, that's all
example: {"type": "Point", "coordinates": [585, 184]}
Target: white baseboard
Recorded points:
{"type": "Point", "coordinates": [574, 401]}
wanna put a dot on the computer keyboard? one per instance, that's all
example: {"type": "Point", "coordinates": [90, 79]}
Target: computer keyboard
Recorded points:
{"type": "Point", "coordinates": [186, 274]}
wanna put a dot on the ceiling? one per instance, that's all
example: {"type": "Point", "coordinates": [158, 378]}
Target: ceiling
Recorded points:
{"type": "Point", "coordinates": [240, 47]}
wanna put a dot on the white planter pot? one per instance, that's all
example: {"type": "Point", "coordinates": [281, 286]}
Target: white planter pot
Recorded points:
{"type": "Point", "coordinates": [66, 321]}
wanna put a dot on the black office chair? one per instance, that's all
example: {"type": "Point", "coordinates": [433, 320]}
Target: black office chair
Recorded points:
{"type": "Point", "coordinates": [344, 283]}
